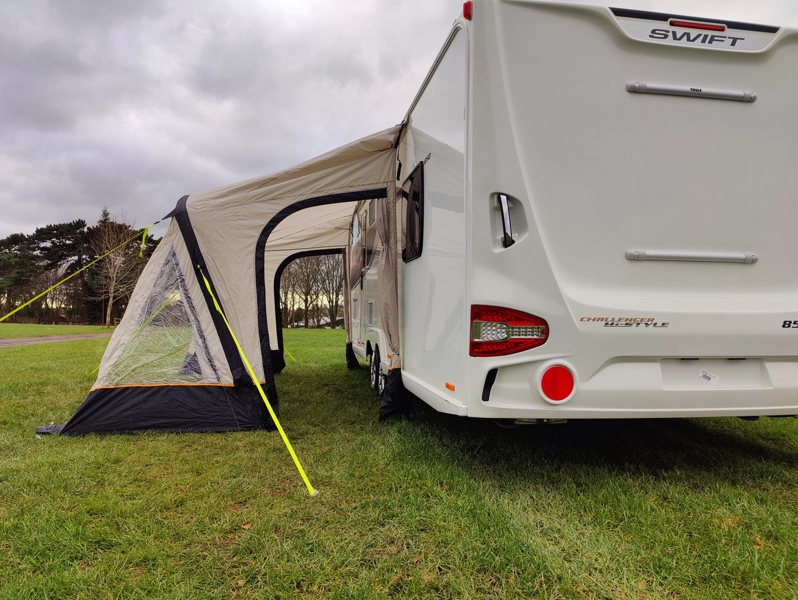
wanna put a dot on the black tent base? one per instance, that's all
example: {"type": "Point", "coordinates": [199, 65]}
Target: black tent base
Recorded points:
{"type": "Point", "coordinates": [177, 409]}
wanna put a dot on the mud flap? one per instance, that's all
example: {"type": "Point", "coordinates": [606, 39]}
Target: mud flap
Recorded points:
{"type": "Point", "coordinates": [395, 401]}
{"type": "Point", "coordinates": [351, 359]}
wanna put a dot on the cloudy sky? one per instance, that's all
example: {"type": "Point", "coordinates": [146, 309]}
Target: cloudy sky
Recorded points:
{"type": "Point", "coordinates": [132, 104]}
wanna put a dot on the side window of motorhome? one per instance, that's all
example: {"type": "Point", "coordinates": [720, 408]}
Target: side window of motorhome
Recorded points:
{"type": "Point", "coordinates": [414, 222]}
{"type": "Point", "coordinates": [355, 251]}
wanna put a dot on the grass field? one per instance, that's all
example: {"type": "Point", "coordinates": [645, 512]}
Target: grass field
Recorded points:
{"type": "Point", "coordinates": [19, 330]}
{"type": "Point", "coordinates": [435, 507]}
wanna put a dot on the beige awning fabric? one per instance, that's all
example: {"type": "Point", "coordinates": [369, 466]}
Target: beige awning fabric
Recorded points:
{"type": "Point", "coordinates": [245, 231]}
{"type": "Point", "coordinates": [172, 364]}
{"type": "Point", "coordinates": [313, 229]}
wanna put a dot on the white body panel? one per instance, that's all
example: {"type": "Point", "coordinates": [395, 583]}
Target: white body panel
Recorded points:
{"type": "Point", "coordinates": [433, 296]}
{"type": "Point", "coordinates": [598, 175]}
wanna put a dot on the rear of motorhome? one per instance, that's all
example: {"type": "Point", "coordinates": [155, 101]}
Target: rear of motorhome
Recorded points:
{"type": "Point", "coordinates": [596, 217]}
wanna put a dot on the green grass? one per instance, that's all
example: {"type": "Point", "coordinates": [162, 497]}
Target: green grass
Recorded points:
{"type": "Point", "coordinates": [435, 507]}
{"type": "Point", "coordinates": [18, 330]}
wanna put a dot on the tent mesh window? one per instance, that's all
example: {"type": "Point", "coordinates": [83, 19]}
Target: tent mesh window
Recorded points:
{"type": "Point", "coordinates": [168, 345]}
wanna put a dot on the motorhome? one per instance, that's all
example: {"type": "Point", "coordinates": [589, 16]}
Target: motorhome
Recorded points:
{"type": "Point", "coordinates": [596, 215]}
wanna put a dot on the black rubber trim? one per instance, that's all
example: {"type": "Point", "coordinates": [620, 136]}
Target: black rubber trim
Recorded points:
{"type": "Point", "coordinates": [234, 361]}
{"type": "Point", "coordinates": [490, 379]}
{"type": "Point", "coordinates": [260, 259]}
{"type": "Point", "coordinates": [278, 358]}
{"type": "Point", "coordinates": [658, 16]}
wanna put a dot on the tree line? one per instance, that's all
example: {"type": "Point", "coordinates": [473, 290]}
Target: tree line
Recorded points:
{"type": "Point", "coordinates": [31, 263]}
{"type": "Point", "coordinates": [311, 292]}
{"type": "Point", "coordinates": [311, 287]}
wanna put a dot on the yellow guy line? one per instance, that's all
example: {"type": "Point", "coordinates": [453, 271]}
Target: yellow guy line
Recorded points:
{"type": "Point", "coordinates": [144, 241]}
{"type": "Point", "coordinates": [254, 377]}
{"type": "Point", "coordinates": [65, 279]}
{"type": "Point", "coordinates": [145, 233]}
{"type": "Point", "coordinates": [291, 356]}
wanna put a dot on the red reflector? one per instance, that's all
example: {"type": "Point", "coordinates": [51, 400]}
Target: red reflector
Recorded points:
{"type": "Point", "coordinates": [557, 383]}
{"type": "Point", "coordinates": [497, 331]}
{"type": "Point", "coordinates": [694, 25]}
{"type": "Point", "coordinates": [467, 10]}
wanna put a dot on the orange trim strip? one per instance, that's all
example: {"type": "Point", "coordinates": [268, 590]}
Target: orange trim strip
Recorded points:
{"type": "Point", "coordinates": [149, 385]}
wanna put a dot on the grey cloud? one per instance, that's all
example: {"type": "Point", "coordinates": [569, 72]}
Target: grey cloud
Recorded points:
{"type": "Point", "coordinates": [132, 104]}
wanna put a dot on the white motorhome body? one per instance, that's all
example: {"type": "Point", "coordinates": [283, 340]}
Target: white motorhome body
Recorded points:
{"type": "Point", "coordinates": [603, 213]}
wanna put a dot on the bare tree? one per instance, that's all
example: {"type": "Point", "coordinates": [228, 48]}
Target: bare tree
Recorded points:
{"type": "Point", "coordinates": [307, 283]}
{"type": "Point", "coordinates": [288, 297]}
{"type": "Point", "coordinates": [311, 288]}
{"type": "Point", "coordinates": [331, 283]}
{"type": "Point", "coordinates": [119, 271]}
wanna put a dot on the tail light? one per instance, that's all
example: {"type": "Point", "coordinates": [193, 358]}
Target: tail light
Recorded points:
{"type": "Point", "coordinates": [496, 331]}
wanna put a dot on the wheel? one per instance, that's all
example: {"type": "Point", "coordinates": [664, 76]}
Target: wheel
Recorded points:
{"type": "Point", "coordinates": [381, 384]}
{"type": "Point", "coordinates": [374, 370]}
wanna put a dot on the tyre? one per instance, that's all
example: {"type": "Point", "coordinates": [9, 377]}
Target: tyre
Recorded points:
{"type": "Point", "coordinates": [374, 370]}
{"type": "Point", "coordinates": [381, 384]}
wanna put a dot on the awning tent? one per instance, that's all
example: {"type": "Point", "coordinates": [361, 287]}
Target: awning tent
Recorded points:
{"type": "Point", "coordinates": [172, 364]}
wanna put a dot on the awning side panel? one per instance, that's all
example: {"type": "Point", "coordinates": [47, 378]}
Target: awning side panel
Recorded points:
{"type": "Point", "coordinates": [167, 335]}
